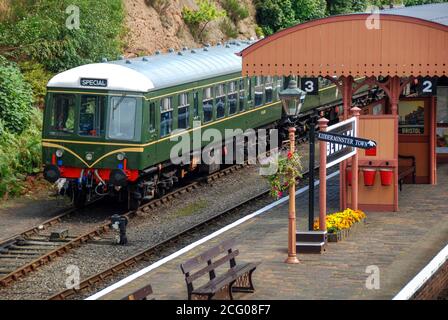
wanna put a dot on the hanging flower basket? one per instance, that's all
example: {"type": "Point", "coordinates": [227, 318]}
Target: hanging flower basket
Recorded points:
{"type": "Point", "coordinates": [289, 169]}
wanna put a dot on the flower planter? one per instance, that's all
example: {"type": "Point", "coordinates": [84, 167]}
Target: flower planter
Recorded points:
{"type": "Point", "coordinates": [386, 176]}
{"type": "Point", "coordinates": [343, 234]}
{"type": "Point", "coordinates": [369, 176]}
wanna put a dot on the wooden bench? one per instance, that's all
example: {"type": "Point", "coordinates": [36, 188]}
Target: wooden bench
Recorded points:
{"type": "Point", "coordinates": [140, 294]}
{"type": "Point", "coordinates": [407, 170]}
{"type": "Point", "coordinates": [237, 278]}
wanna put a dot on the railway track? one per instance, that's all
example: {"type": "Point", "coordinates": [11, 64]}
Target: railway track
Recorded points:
{"type": "Point", "coordinates": [26, 252]}
{"type": "Point", "coordinates": [148, 253]}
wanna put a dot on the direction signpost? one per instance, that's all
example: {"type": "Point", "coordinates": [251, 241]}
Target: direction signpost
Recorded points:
{"type": "Point", "coordinates": [338, 143]}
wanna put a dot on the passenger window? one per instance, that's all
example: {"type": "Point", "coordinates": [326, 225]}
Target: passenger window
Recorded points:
{"type": "Point", "coordinates": [183, 113]}
{"type": "Point", "coordinates": [91, 115]}
{"type": "Point", "coordinates": [207, 104]}
{"type": "Point", "coordinates": [196, 105]}
{"type": "Point", "coordinates": [232, 97]}
{"type": "Point", "coordinates": [268, 89]}
{"type": "Point", "coordinates": [279, 86]}
{"type": "Point", "coordinates": [220, 101]}
{"type": "Point", "coordinates": [258, 91]}
{"type": "Point", "coordinates": [242, 93]}
{"type": "Point", "coordinates": [152, 116]}
{"type": "Point", "coordinates": [250, 92]}
{"type": "Point", "coordinates": [122, 118]}
{"type": "Point", "coordinates": [63, 114]}
{"type": "Point", "coordinates": [166, 116]}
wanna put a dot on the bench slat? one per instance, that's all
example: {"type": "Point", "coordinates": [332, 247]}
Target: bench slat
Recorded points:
{"type": "Point", "coordinates": [232, 274]}
{"type": "Point", "coordinates": [139, 294]}
{"type": "Point", "coordinates": [207, 255]}
{"type": "Point", "coordinates": [212, 266]}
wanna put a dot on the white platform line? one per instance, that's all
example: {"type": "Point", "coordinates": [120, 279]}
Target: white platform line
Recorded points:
{"type": "Point", "coordinates": [420, 279]}
{"type": "Point", "coordinates": [197, 243]}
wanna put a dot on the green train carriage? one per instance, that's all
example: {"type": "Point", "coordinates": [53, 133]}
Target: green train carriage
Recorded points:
{"type": "Point", "coordinates": [108, 126]}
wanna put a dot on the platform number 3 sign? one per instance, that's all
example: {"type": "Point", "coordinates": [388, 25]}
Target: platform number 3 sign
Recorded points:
{"type": "Point", "coordinates": [310, 85]}
{"type": "Point", "coordinates": [427, 86]}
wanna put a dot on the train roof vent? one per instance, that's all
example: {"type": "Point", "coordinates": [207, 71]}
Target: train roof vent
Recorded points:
{"type": "Point", "coordinates": [128, 62]}
{"type": "Point", "coordinates": [193, 51]}
{"type": "Point", "coordinates": [180, 53]}
{"type": "Point", "coordinates": [218, 43]}
{"type": "Point", "coordinates": [145, 59]}
{"type": "Point", "coordinates": [184, 48]}
{"type": "Point", "coordinates": [205, 49]}
{"type": "Point", "coordinates": [120, 57]}
{"type": "Point", "coordinates": [157, 52]}
{"type": "Point", "coordinates": [104, 60]}
{"type": "Point", "coordinates": [207, 45]}
{"type": "Point", "coordinates": [227, 45]}
{"type": "Point", "coordinates": [171, 50]}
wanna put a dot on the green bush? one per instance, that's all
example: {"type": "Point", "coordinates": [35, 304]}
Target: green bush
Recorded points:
{"type": "Point", "coordinates": [197, 20]}
{"type": "Point", "coordinates": [228, 28]}
{"type": "Point", "coordinates": [37, 31]}
{"type": "Point", "coordinates": [20, 155]}
{"type": "Point", "coordinates": [236, 10]}
{"type": "Point", "coordinates": [16, 97]}
{"type": "Point", "coordinates": [36, 75]}
{"type": "Point", "coordinates": [306, 10]}
{"type": "Point", "coordinates": [274, 15]}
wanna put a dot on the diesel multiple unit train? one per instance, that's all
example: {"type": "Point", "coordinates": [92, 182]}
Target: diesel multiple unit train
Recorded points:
{"type": "Point", "coordinates": [108, 126]}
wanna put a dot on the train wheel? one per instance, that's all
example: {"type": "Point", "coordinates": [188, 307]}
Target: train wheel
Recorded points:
{"type": "Point", "coordinates": [79, 198]}
{"type": "Point", "coordinates": [160, 192]}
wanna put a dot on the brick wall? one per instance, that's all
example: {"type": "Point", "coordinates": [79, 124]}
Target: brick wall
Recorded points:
{"type": "Point", "coordinates": [432, 289]}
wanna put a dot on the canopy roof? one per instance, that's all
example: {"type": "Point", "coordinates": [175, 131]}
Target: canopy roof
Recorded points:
{"type": "Point", "coordinates": [405, 42]}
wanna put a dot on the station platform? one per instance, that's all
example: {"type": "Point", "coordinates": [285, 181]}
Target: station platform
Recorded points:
{"type": "Point", "coordinates": [400, 244]}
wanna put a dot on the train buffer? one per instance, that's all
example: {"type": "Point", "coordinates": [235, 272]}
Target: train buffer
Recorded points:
{"type": "Point", "coordinates": [238, 278]}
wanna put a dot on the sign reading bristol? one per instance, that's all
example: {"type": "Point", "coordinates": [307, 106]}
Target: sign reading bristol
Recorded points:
{"type": "Point", "coordinates": [343, 141]}
{"type": "Point", "coordinates": [88, 82]}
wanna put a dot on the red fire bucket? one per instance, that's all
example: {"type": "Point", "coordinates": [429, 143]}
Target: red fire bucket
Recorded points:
{"type": "Point", "coordinates": [386, 176]}
{"type": "Point", "coordinates": [369, 176]}
{"type": "Point", "coordinates": [349, 176]}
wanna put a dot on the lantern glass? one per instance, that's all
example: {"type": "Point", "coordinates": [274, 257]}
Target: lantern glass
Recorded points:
{"type": "Point", "coordinates": [292, 99]}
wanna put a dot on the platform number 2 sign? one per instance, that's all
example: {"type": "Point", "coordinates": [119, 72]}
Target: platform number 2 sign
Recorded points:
{"type": "Point", "coordinates": [309, 85]}
{"type": "Point", "coordinates": [427, 86]}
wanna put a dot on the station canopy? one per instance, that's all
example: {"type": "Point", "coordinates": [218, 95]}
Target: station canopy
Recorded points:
{"type": "Point", "coordinates": [404, 42]}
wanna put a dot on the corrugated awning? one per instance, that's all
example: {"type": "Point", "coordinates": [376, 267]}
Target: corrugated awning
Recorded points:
{"type": "Point", "coordinates": [400, 45]}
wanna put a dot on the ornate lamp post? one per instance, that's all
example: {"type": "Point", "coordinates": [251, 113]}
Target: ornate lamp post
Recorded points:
{"type": "Point", "coordinates": [292, 100]}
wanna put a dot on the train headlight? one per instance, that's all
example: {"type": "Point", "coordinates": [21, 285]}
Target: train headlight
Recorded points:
{"type": "Point", "coordinates": [89, 156]}
{"type": "Point", "coordinates": [59, 153]}
{"type": "Point", "coordinates": [121, 156]}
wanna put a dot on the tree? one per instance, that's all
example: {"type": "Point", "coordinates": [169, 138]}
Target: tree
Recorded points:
{"type": "Point", "coordinates": [274, 15]}
{"type": "Point", "coordinates": [38, 30]}
{"type": "Point", "coordinates": [306, 10]}
{"type": "Point", "coordinates": [198, 19]}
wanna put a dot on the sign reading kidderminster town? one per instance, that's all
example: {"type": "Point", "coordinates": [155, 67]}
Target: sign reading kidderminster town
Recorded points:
{"type": "Point", "coordinates": [340, 138]}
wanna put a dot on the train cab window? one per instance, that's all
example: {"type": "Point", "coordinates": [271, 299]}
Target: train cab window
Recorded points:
{"type": "Point", "coordinates": [183, 113]}
{"type": "Point", "coordinates": [232, 97]}
{"type": "Point", "coordinates": [258, 91]}
{"type": "Point", "coordinates": [166, 116]}
{"type": "Point", "coordinates": [220, 101]}
{"type": "Point", "coordinates": [91, 115]}
{"type": "Point", "coordinates": [268, 89]}
{"type": "Point", "coordinates": [122, 118]}
{"type": "Point", "coordinates": [207, 104]}
{"type": "Point", "coordinates": [63, 114]}
{"type": "Point", "coordinates": [242, 93]}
